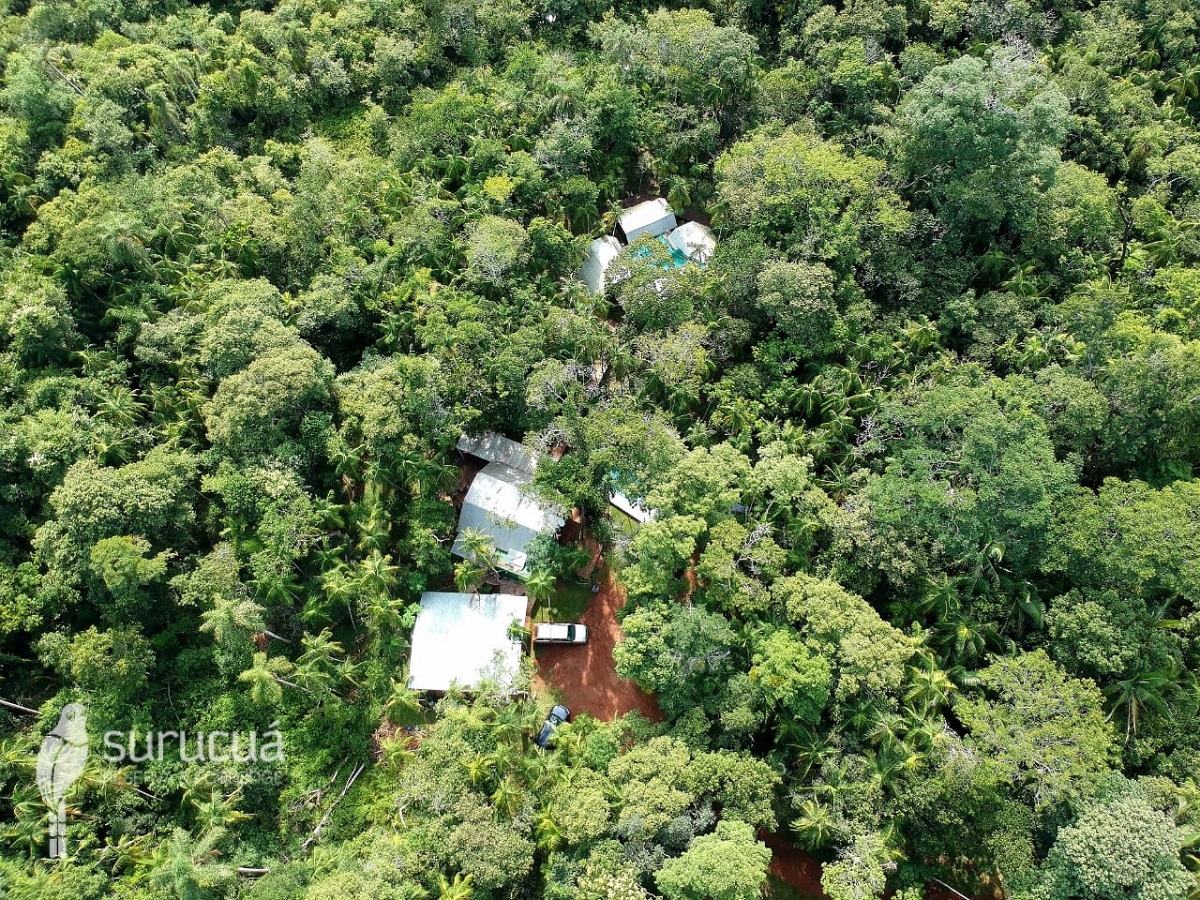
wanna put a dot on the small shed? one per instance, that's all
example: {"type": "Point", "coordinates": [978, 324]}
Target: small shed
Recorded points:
{"type": "Point", "coordinates": [654, 217]}
{"type": "Point", "coordinates": [693, 240]}
{"type": "Point", "coordinates": [460, 639]}
{"type": "Point", "coordinates": [499, 504]}
{"type": "Point", "coordinates": [494, 447]}
{"type": "Point", "coordinates": [601, 252]}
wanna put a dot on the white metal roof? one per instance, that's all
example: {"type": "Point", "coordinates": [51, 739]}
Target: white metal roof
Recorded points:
{"type": "Point", "coordinates": [634, 510]}
{"type": "Point", "coordinates": [601, 252]}
{"type": "Point", "coordinates": [459, 639]}
{"type": "Point", "coordinates": [499, 504]}
{"type": "Point", "coordinates": [497, 448]}
{"type": "Point", "coordinates": [653, 217]}
{"type": "Point", "coordinates": [695, 240]}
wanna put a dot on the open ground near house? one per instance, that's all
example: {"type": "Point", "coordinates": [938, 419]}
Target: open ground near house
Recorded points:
{"type": "Point", "coordinates": [584, 677]}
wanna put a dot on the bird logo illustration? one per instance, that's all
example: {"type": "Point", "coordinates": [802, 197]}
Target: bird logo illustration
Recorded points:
{"type": "Point", "coordinates": [59, 764]}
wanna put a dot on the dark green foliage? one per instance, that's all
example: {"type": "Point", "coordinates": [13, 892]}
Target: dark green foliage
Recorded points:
{"type": "Point", "coordinates": [921, 441]}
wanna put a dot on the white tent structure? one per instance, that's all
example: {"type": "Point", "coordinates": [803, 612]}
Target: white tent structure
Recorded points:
{"type": "Point", "coordinates": [601, 252]}
{"type": "Point", "coordinates": [499, 505]}
{"type": "Point", "coordinates": [654, 217]}
{"type": "Point", "coordinates": [460, 639]}
{"type": "Point", "coordinates": [694, 240]}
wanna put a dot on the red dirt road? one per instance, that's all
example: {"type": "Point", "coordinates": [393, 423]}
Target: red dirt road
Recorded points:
{"type": "Point", "coordinates": [585, 676]}
{"type": "Point", "coordinates": [793, 866]}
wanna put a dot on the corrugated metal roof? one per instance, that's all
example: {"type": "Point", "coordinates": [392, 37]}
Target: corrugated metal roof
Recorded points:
{"type": "Point", "coordinates": [654, 217]}
{"type": "Point", "coordinates": [499, 505]}
{"type": "Point", "coordinates": [497, 448]}
{"type": "Point", "coordinates": [634, 510]}
{"type": "Point", "coordinates": [459, 639]}
{"type": "Point", "coordinates": [601, 252]}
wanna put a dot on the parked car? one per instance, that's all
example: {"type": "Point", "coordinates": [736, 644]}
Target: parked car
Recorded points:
{"type": "Point", "coordinates": [558, 715]}
{"type": "Point", "coordinates": [559, 633]}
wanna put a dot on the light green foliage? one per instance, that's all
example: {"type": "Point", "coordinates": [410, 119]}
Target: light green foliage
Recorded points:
{"type": "Point", "coordinates": [967, 475]}
{"type": "Point", "coordinates": [858, 874]}
{"type": "Point", "coordinates": [390, 407]}
{"type": "Point", "coordinates": [1040, 728]}
{"type": "Point", "coordinates": [114, 662]}
{"type": "Point", "coordinates": [262, 407]}
{"type": "Point", "coordinates": [918, 590]}
{"type": "Point", "coordinates": [122, 564]}
{"type": "Point", "coordinates": [652, 778]}
{"type": "Point", "coordinates": [1131, 537]}
{"type": "Point", "coordinates": [495, 854]}
{"type": "Point", "coordinates": [728, 864]}
{"type": "Point", "coordinates": [581, 807]}
{"type": "Point", "coordinates": [739, 565]}
{"type": "Point", "coordinates": [799, 297]}
{"type": "Point", "coordinates": [790, 676]}
{"type": "Point", "coordinates": [148, 499]}
{"type": "Point", "coordinates": [977, 135]}
{"type": "Point", "coordinates": [1120, 849]}
{"type": "Point", "coordinates": [800, 191]}
{"type": "Point", "coordinates": [682, 654]}
{"type": "Point", "coordinates": [866, 655]}
{"type": "Point", "coordinates": [495, 247]}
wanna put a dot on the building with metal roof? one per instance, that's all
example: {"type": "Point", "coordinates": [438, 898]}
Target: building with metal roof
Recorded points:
{"type": "Point", "coordinates": [461, 639]}
{"type": "Point", "coordinates": [654, 217]}
{"type": "Point", "coordinates": [494, 447]}
{"type": "Point", "coordinates": [601, 252]}
{"type": "Point", "coordinates": [695, 241]}
{"type": "Point", "coordinates": [500, 505]}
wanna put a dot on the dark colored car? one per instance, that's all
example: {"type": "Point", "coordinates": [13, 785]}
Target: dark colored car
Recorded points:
{"type": "Point", "coordinates": [558, 715]}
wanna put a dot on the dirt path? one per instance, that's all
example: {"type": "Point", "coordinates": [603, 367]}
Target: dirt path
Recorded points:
{"type": "Point", "coordinates": [800, 870]}
{"type": "Point", "coordinates": [585, 677]}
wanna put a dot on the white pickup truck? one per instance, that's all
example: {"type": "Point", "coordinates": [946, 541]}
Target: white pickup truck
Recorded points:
{"type": "Point", "coordinates": [559, 633]}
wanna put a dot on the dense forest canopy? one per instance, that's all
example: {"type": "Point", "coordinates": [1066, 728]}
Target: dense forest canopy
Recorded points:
{"type": "Point", "coordinates": [921, 595]}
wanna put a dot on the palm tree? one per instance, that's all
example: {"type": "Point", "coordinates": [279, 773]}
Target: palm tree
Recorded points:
{"type": "Point", "coordinates": [264, 678]}
{"type": "Point", "coordinates": [127, 852]}
{"type": "Point", "coordinates": [468, 576]}
{"type": "Point", "coordinates": [403, 702]}
{"type": "Point", "coordinates": [321, 649]}
{"type": "Point", "coordinates": [230, 621]}
{"type": "Point", "coordinates": [810, 748]}
{"type": "Point", "coordinates": [960, 638]}
{"type": "Point", "coordinates": [458, 889]}
{"type": "Point", "coordinates": [479, 547]}
{"type": "Point", "coordinates": [540, 584]}
{"type": "Point", "coordinates": [376, 574]}
{"type": "Point", "coordinates": [548, 833]}
{"type": "Point", "coordinates": [1153, 690]}
{"type": "Point", "coordinates": [218, 811]}
{"type": "Point", "coordinates": [814, 825]}
{"type": "Point", "coordinates": [478, 769]}
{"type": "Point", "coordinates": [507, 797]}
{"type": "Point", "coordinates": [930, 687]}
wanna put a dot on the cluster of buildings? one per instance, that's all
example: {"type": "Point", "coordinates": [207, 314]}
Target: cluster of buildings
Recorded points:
{"type": "Point", "coordinates": [690, 242]}
{"type": "Point", "coordinates": [460, 639]}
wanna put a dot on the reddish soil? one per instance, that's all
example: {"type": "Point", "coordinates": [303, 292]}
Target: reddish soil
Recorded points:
{"type": "Point", "coordinates": [585, 676]}
{"type": "Point", "coordinates": [802, 870]}
{"type": "Point", "coordinates": [792, 865]}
